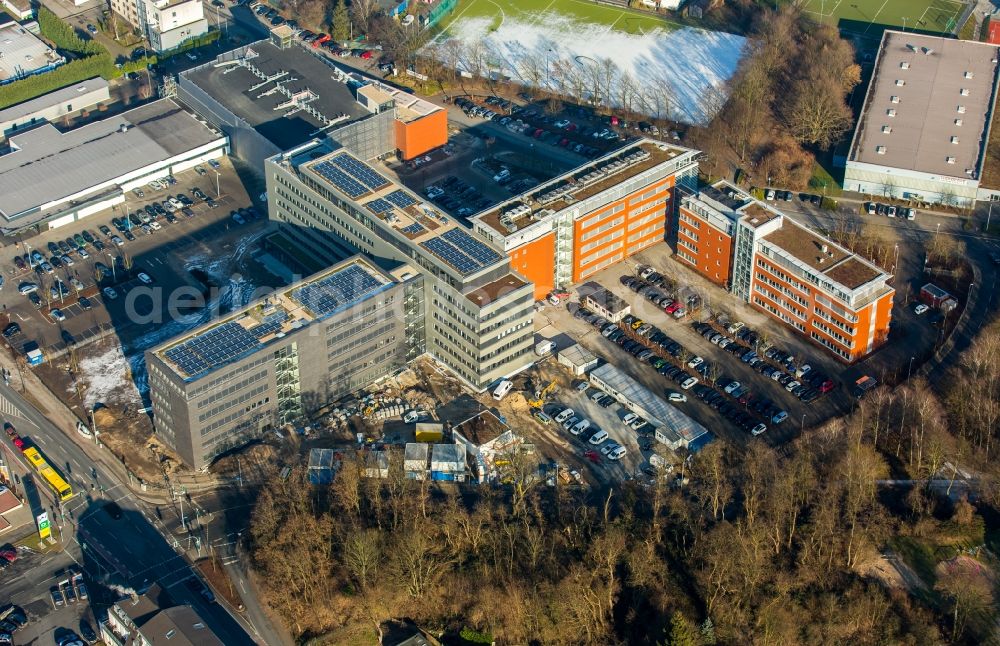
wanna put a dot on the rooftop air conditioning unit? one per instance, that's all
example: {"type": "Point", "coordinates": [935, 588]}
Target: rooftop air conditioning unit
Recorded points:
{"type": "Point", "coordinates": [954, 139]}
{"type": "Point", "coordinates": [968, 75]}
{"type": "Point", "coordinates": [964, 91]}
{"type": "Point", "coordinates": [950, 160]}
{"type": "Point", "coordinates": [961, 109]}
{"type": "Point", "coordinates": [900, 82]}
{"type": "Point", "coordinates": [880, 150]}
{"type": "Point", "coordinates": [890, 112]}
{"type": "Point", "coordinates": [886, 129]}
{"type": "Point", "coordinates": [905, 65]}
{"type": "Point", "coordinates": [958, 122]}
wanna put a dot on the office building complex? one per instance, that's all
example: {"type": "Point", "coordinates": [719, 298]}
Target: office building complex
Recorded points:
{"type": "Point", "coordinates": [826, 293]}
{"type": "Point", "coordinates": [270, 363]}
{"type": "Point", "coordinates": [165, 23]}
{"type": "Point", "coordinates": [276, 94]}
{"type": "Point", "coordinates": [596, 215]}
{"type": "Point", "coordinates": [478, 311]}
{"type": "Point", "coordinates": [923, 130]}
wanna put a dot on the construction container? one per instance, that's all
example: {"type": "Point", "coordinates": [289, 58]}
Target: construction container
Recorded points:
{"type": "Point", "coordinates": [429, 432]}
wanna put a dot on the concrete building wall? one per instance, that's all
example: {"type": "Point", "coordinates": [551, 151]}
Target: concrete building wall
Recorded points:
{"type": "Point", "coordinates": [368, 138]}
{"type": "Point", "coordinates": [910, 185]}
{"type": "Point", "coordinates": [56, 111]}
{"type": "Point", "coordinates": [479, 342]}
{"type": "Point", "coordinates": [303, 371]}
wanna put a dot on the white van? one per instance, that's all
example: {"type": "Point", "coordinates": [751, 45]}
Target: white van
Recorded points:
{"type": "Point", "coordinates": [564, 415]}
{"type": "Point", "coordinates": [502, 389]}
{"type": "Point", "coordinates": [544, 347]}
{"type": "Point", "coordinates": [580, 427]}
{"type": "Point", "coordinates": [598, 437]}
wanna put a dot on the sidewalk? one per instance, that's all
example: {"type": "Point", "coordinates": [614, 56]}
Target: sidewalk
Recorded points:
{"type": "Point", "coordinates": [57, 412]}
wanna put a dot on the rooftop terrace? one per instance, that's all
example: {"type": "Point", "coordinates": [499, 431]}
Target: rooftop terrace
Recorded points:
{"type": "Point", "coordinates": [578, 184]}
{"type": "Point", "coordinates": [254, 327]}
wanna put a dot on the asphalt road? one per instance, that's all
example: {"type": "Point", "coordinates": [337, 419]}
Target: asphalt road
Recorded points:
{"type": "Point", "coordinates": [136, 549]}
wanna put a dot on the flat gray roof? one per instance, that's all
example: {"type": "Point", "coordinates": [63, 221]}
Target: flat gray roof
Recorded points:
{"type": "Point", "coordinates": [46, 165]}
{"type": "Point", "coordinates": [286, 128]}
{"type": "Point", "coordinates": [21, 52]}
{"type": "Point", "coordinates": [930, 100]}
{"type": "Point", "coordinates": [63, 95]}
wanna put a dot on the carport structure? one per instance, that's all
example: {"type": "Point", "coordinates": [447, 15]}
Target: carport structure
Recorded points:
{"type": "Point", "coordinates": [673, 428]}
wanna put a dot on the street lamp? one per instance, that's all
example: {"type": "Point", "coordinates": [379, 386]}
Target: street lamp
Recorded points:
{"type": "Point", "coordinates": [909, 368]}
{"type": "Point", "coordinates": [802, 426]}
{"type": "Point", "coordinates": [218, 191]}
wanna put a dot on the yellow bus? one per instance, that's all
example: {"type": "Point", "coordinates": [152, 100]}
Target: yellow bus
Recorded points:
{"type": "Point", "coordinates": [55, 481]}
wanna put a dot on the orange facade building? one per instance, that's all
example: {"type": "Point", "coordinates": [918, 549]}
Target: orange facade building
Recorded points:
{"type": "Point", "coordinates": [564, 231]}
{"type": "Point", "coordinates": [826, 293]}
{"type": "Point", "coordinates": [420, 134]}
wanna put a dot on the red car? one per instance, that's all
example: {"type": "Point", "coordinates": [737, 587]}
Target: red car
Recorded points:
{"type": "Point", "coordinates": [538, 133]}
{"type": "Point", "coordinates": [8, 552]}
{"type": "Point", "coordinates": [826, 386]}
{"type": "Point", "coordinates": [322, 38]}
{"type": "Point", "coordinates": [366, 54]}
{"type": "Point", "coordinates": [673, 307]}
{"type": "Point", "coordinates": [563, 142]}
{"type": "Point", "coordinates": [592, 456]}
{"type": "Point", "coordinates": [19, 443]}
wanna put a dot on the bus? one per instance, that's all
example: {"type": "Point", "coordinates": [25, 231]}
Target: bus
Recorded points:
{"type": "Point", "coordinates": [59, 487]}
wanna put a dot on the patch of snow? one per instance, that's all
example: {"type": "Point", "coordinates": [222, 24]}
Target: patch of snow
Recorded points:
{"type": "Point", "coordinates": [105, 379]}
{"type": "Point", "coordinates": [679, 74]}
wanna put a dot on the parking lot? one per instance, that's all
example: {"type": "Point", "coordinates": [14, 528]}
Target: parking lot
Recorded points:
{"type": "Point", "coordinates": [73, 283]}
{"type": "Point", "coordinates": [744, 386]}
{"type": "Point", "coordinates": [47, 593]}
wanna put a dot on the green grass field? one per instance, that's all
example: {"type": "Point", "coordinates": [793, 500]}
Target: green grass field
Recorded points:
{"type": "Point", "coordinates": [585, 11]}
{"type": "Point", "coordinates": [868, 17]}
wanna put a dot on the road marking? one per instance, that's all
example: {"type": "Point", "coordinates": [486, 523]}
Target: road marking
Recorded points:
{"type": "Point", "coordinates": [7, 408]}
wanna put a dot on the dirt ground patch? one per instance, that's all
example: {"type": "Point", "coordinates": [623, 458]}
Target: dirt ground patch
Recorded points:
{"type": "Point", "coordinates": [215, 574]}
{"type": "Point", "coordinates": [893, 573]}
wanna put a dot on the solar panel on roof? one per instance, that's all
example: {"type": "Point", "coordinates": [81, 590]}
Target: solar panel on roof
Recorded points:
{"type": "Point", "coordinates": [213, 348]}
{"type": "Point", "coordinates": [360, 171]}
{"type": "Point", "coordinates": [346, 184]}
{"type": "Point", "coordinates": [414, 229]}
{"type": "Point", "coordinates": [476, 249]}
{"type": "Point", "coordinates": [451, 255]}
{"type": "Point", "coordinates": [327, 294]}
{"type": "Point", "coordinates": [400, 198]}
{"type": "Point", "coordinates": [379, 206]}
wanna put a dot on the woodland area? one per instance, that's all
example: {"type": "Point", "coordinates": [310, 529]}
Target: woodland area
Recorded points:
{"type": "Point", "coordinates": [787, 102]}
{"type": "Point", "coordinates": [761, 547]}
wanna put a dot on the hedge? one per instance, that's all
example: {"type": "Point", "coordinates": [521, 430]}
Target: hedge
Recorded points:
{"type": "Point", "coordinates": [205, 39]}
{"type": "Point", "coordinates": [64, 37]}
{"type": "Point", "coordinates": [68, 74]}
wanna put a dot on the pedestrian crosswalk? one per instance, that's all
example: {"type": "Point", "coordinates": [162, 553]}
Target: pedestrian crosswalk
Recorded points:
{"type": "Point", "coordinates": [7, 408]}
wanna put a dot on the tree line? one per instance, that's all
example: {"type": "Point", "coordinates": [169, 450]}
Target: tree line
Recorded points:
{"type": "Point", "coordinates": [761, 547]}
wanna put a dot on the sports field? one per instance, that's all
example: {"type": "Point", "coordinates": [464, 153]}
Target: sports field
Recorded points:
{"type": "Point", "coordinates": [565, 45]}
{"type": "Point", "coordinates": [869, 17]}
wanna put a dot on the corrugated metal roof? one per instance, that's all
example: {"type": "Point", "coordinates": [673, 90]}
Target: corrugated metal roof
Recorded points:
{"type": "Point", "coordinates": [48, 165]}
{"type": "Point", "coordinates": [658, 411]}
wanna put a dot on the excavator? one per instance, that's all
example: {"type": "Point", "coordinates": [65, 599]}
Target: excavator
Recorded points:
{"type": "Point", "coordinates": [540, 395]}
